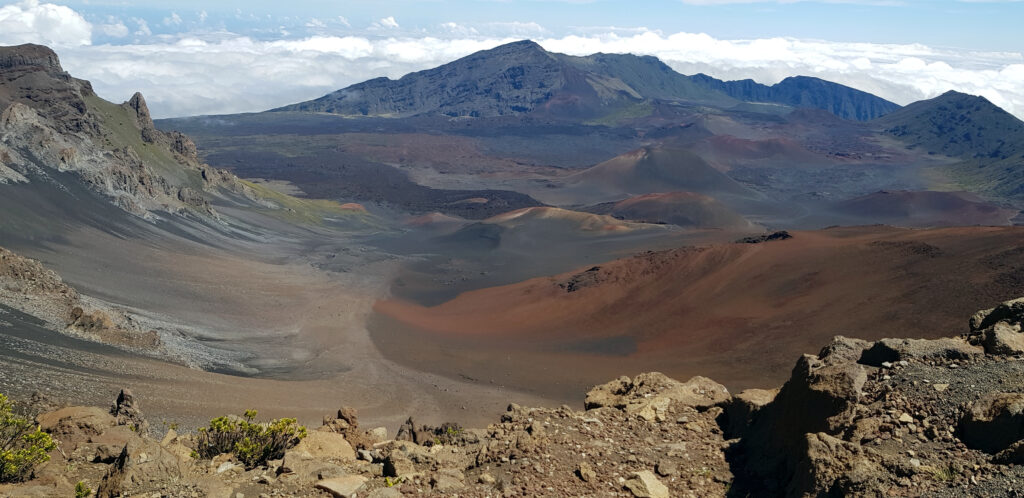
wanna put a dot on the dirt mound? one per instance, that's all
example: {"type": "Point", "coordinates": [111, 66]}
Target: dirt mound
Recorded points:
{"type": "Point", "coordinates": [734, 312]}
{"type": "Point", "coordinates": [574, 220]}
{"type": "Point", "coordinates": [685, 209]}
{"type": "Point", "coordinates": [658, 169]}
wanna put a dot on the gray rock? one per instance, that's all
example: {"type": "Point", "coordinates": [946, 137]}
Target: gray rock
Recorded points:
{"type": "Point", "coordinates": [894, 350]}
{"type": "Point", "coordinates": [1003, 339]}
{"type": "Point", "coordinates": [398, 465]}
{"type": "Point", "coordinates": [342, 487]}
{"type": "Point", "coordinates": [385, 493]}
{"type": "Point", "coordinates": [1011, 312]}
{"type": "Point", "coordinates": [743, 407]}
{"type": "Point", "coordinates": [994, 422]}
{"type": "Point", "coordinates": [666, 468]}
{"type": "Point", "coordinates": [645, 484]}
{"type": "Point", "coordinates": [127, 412]}
{"type": "Point", "coordinates": [585, 472]}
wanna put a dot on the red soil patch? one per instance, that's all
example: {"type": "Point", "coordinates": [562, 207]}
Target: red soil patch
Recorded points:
{"type": "Point", "coordinates": [739, 313]}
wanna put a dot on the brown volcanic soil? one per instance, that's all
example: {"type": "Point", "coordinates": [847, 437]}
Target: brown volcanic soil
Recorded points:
{"type": "Point", "coordinates": [737, 313]}
{"type": "Point", "coordinates": [658, 169]}
{"type": "Point", "coordinates": [685, 209]}
{"type": "Point", "coordinates": [915, 208]}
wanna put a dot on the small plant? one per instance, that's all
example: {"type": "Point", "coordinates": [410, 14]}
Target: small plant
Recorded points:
{"type": "Point", "coordinates": [946, 473]}
{"type": "Point", "coordinates": [82, 491]}
{"type": "Point", "coordinates": [251, 442]}
{"type": "Point", "coordinates": [23, 445]}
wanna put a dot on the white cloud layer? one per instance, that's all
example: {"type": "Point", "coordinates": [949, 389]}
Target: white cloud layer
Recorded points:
{"type": "Point", "coordinates": [29, 21]}
{"type": "Point", "coordinates": [221, 72]}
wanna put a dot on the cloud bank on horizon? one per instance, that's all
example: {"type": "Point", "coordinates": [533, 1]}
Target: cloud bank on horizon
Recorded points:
{"type": "Point", "coordinates": [192, 68]}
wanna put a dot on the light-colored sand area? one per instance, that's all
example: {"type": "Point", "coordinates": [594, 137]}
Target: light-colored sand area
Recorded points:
{"type": "Point", "coordinates": [248, 303]}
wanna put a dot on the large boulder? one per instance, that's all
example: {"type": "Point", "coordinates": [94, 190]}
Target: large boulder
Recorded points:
{"type": "Point", "coordinates": [819, 397]}
{"type": "Point", "coordinates": [342, 487]}
{"type": "Point", "coordinates": [653, 396]}
{"type": "Point", "coordinates": [142, 467]}
{"type": "Point", "coordinates": [994, 422]}
{"type": "Point", "coordinates": [893, 350]}
{"type": "Point", "coordinates": [1003, 338]}
{"type": "Point", "coordinates": [76, 422]}
{"type": "Point", "coordinates": [126, 411]}
{"type": "Point", "coordinates": [1011, 312]}
{"type": "Point", "coordinates": [832, 467]}
{"type": "Point", "coordinates": [321, 445]}
{"type": "Point", "coordinates": [645, 484]}
{"type": "Point", "coordinates": [741, 410]}
{"type": "Point", "coordinates": [998, 329]}
{"type": "Point", "coordinates": [317, 456]}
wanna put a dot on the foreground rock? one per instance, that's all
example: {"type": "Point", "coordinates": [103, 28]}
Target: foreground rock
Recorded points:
{"type": "Point", "coordinates": [893, 417]}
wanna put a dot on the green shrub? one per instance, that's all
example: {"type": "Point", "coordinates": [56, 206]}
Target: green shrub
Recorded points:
{"type": "Point", "coordinates": [22, 444]}
{"type": "Point", "coordinates": [251, 442]}
{"type": "Point", "coordinates": [82, 491]}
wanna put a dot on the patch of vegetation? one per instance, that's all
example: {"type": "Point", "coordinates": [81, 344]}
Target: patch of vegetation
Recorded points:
{"type": "Point", "coordinates": [82, 490]}
{"type": "Point", "coordinates": [123, 132]}
{"type": "Point", "coordinates": [946, 473]}
{"type": "Point", "coordinates": [253, 443]}
{"type": "Point", "coordinates": [23, 445]}
{"type": "Point", "coordinates": [308, 211]}
{"type": "Point", "coordinates": [635, 111]}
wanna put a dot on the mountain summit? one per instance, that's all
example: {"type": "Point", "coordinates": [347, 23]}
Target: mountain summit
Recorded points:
{"type": "Point", "coordinates": [521, 78]}
{"type": "Point", "coordinates": [515, 78]}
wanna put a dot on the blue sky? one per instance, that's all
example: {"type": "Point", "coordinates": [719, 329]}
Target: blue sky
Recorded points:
{"type": "Point", "coordinates": [200, 57]}
{"type": "Point", "coordinates": [980, 25]}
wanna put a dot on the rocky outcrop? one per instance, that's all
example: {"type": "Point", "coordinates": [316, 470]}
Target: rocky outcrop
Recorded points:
{"type": "Point", "coordinates": [651, 396]}
{"type": "Point", "coordinates": [860, 418]}
{"type": "Point", "coordinates": [994, 422]}
{"type": "Point", "coordinates": [28, 286]}
{"type": "Point", "coordinates": [998, 329]}
{"type": "Point", "coordinates": [126, 411]}
{"type": "Point", "coordinates": [53, 122]}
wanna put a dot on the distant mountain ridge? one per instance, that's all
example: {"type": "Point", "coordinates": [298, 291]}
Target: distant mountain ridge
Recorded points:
{"type": "Point", "coordinates": [521, 78]}
{"type": "Point", "coordinates": [805, 91]}
{"type": "Point", "coordinates": [988, 139]}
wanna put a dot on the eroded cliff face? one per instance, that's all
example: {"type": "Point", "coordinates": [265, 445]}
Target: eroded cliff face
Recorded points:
{"type": "Point", "coordinates": [26, 285]}
{"type": "Point", "coordinates": [52, 122]}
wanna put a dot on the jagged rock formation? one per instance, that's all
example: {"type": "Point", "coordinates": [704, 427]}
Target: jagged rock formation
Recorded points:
{"type": "Point", "coordinates": [805, 91]}
{"type": "Point", "coordinates": [897, 417]}
{"type": "Point", "coordinates": [53, 123]}
{"type": "Point", "coordinates": [28, 286]}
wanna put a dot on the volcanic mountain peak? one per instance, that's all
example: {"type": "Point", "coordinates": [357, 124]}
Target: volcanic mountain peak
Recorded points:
{"type": "Point", "coordinates": [958, 124]}
{"type": "Point", "coordinates": [517, 78]}
{"type": "Point", "coordinates": [521, 77]}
